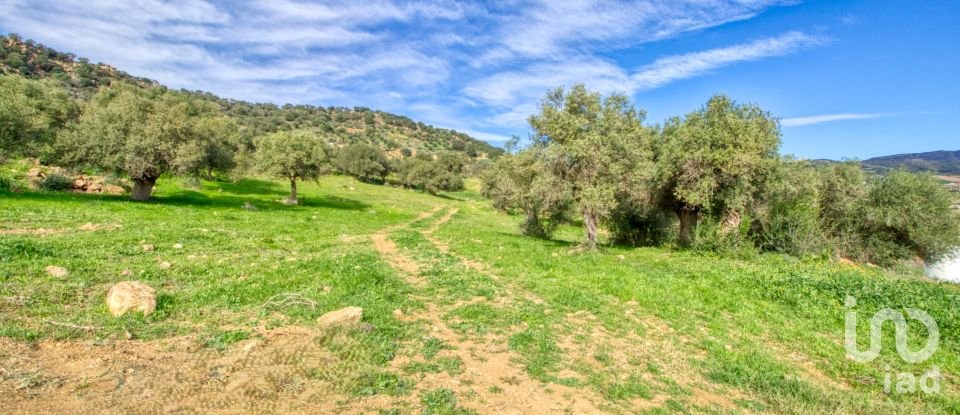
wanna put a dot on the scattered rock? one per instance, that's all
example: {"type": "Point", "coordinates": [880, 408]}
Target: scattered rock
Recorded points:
{"type": "Point", "coordinates": [35, 173]}
{"type": "Point", "coordinates": [327, 289]}
{"type": "Point", "coordinates": [56, 271]}
{"type": "Point", "coordinates": [131, 295]}
{"type": "Point", "coordinates": [147, 247]}
{"type": "Point", "coordinates": [126, 273]}
{"type": "Point", "coordinates": [165, 265]}
{"type": "Point", "coordinates": [349, 316]}
{"type": "Point", "coordinates": [177, 246]}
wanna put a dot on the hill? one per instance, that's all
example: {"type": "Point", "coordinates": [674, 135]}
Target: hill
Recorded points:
{"type": "Point", "coordinates": [395, 134]}
{"type": "Point", "coordinates": [940, 162]}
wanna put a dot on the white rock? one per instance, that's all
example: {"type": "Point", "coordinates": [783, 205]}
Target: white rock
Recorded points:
{"type": "Point", "coordinates": [131, 295]}
{"type": "Point", "coordinates": [343, 317]}
{"type": "Point", "coordinates": [147, 247]}
{"type": "Point", "coordinates": [177, 246]}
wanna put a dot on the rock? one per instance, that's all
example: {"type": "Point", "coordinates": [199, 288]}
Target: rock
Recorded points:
{"type": "Point", "coordinates": [56, 271]}
{"type": "Point", "coordinates": [147, 247]}
{"type": "Point", "coordinates": [349, 316]}
{"type": "Point", "coordinates": [112, 189]}
{"type": "Point", "coordinates": [165, 265]}
{"type": "Point", "coordinates": [327, 289]}
{"type": "Point", "coordinates": [131, 295]}
{"type": "Point", "coordinates": [35, 173]}
{"type": "Point", "coordinates": [126, 273]}
{"type": "Point", "coordinates": [177, 246]}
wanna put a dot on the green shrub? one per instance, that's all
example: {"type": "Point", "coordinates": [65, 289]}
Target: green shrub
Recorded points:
{"type": "Point", "coordinates": [56, 182]}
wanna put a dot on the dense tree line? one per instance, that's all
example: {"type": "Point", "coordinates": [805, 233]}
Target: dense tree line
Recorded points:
{"type": "Point", "coordinates": [144, 133]}
{"type": "Point", "coordinates": [712, 179]}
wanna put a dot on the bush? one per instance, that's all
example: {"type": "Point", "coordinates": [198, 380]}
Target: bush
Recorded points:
{"type": "Point", "coordinates": [365, 162]}
{"type": "Point", "coordinates": [423, 173]}
{"type": "Point", "coordinates": [635, 225]}
{"type": "Point", "coordinates": [56, 182]}
{"type": "Point", "coordinates": [908, 215]}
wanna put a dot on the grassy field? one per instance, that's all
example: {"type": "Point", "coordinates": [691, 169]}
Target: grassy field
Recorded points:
{"type": "Point", "coordinates": [461, 314]}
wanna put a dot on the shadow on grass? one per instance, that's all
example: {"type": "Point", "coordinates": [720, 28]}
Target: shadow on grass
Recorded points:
{"type": "Point", "coordinates": [251, 187]}
{"type": "Point", "coordinates": [197, 199]}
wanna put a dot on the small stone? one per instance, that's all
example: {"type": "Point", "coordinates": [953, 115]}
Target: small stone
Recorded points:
{"type": "Point", "coordinates": [56, 271]}
{"type": "Point", "coordinates": [147, 247]}
{"type": "Point", "coordinates": [165, 265]}
{"type": "Point", "coordinates": [131, 295]}
{"type": "Point", "coordinates": [126, 273]}
{"type": "Point", "coordinates": [327, 289]}
{"type": "Point", "coordinates": [349, 316]}
{"type": "Point", "coordinates": [177, 246]}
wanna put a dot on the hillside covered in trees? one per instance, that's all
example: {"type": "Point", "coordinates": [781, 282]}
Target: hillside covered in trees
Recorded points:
{"type": "Point", "coordinates": [397, 135]}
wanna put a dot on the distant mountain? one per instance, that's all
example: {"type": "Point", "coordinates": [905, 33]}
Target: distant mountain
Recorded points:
{"type": "Point", "coordinates": [940, 162]}
{"type": "Point", "coordinates": [395, 134]}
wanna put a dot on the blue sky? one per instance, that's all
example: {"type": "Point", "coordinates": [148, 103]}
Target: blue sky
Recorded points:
{"type": "Point", "coordinates": [850, 79]}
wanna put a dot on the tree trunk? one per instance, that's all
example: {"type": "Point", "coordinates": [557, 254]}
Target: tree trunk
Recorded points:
{"type": "Point", "coordinates": [731, 222]}
{"type": "Point", "coordinates": [142, 188]}
{"type": "Point", "coordinates": [688, 225]}
{"type": "Point", "coordinates": [590, 223]}
{"type": "Point", "coordinates": [292, 200]}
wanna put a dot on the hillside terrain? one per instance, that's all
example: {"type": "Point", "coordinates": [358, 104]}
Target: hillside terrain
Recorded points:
{"type": "Point", "coordinates": [460, 314]}
{"type": "Point", "coordinates": [939, 162]}
{"type": "Point", "coordinates": [395, 134]}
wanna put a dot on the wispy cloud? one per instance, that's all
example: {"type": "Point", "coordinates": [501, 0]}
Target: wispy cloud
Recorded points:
{"type": "Point", "coordinates": [820, 119]}
{"type": "Point", "coordinates": [672, 68]}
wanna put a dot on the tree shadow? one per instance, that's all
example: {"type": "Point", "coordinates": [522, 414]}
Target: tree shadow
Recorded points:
{"type": "Point", "coordinates": [198, 199]}
{"type": "Point", "coordinates": [555, 243]}
{"type": "Point", "coordinates": [251, 187]}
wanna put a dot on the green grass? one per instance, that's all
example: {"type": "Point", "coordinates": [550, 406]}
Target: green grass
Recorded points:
{"type": "Point", "coordinates": [624, 324]}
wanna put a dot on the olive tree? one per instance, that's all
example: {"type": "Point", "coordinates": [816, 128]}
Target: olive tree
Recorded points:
{"type": "Point", "coordinates": [599, 146]}
{"type": "Point", "coordinates": [31, 114]}
{"type": "Point", "coordinates": [422, 172]}
{"type": "Point", "coordinates": [292, 155]}
{"type": "Point", "coordinates": [909, 214]}
{"type": "Point", "coordinates": [143, 133]}
{"type": "Point", "coordinates": [523, 182]}
{"type": "Point", "coordinates": [363, 161]}
{"type": "Point", "coordinates": [714, 161]}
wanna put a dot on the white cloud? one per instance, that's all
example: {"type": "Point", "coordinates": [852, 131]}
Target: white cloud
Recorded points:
{"type": "Point", "coordinates": [672, 68]}
{"type": "Point", "coordinates": [820, 119]}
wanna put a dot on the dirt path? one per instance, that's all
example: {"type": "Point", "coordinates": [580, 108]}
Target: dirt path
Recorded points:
{"type": "Point", "coordinates": [490, 377]}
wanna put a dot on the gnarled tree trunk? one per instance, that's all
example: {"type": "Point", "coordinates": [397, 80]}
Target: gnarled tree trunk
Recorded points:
{"type": "Point", "coordinates": [292, 200]}
{"type": "Point", "coordinates": [590, 223]}
{"type": "Point", "coordinates": [688, 224]}
{"type": "Point", "coordinates": [142, 188]}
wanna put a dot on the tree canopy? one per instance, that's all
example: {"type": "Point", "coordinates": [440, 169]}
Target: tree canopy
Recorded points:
{"type": "Point", "coordinates": [292, 155]}
{"type": "Point", "coordinates": [142, 133]}
{"type": "Point", "coordinates": [598, 145]}
{"type": "Point", "coordinates": [714, 161]}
